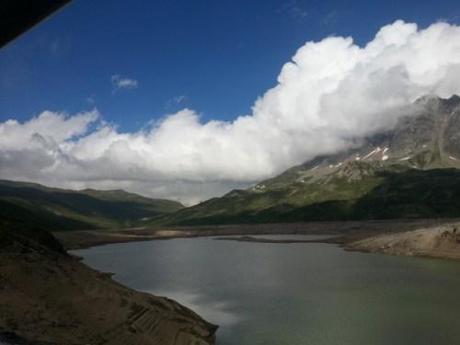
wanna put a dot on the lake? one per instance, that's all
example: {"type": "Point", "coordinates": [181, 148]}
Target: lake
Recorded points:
{"type": "Point", "coordinates": [295, 294]}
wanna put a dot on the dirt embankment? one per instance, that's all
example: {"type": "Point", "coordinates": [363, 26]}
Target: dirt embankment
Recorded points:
{"type": "Point", "coordinates": [442, 241]}
{"type": "Point", "coordinates": [51, 298]}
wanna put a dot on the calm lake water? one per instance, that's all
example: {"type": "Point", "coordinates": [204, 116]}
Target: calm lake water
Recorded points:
{"type": "Point", "coordinates": [295, 294]}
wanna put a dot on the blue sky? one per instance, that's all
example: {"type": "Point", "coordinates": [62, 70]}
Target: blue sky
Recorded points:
{"type": "Point", "coordinates": [85, 87]}
{"type": "Point", "coordinates": [215, 57]}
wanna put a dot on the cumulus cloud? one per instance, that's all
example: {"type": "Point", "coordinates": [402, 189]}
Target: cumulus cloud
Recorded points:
{"type": "Point", "coordinates": [332, 92]}
{"type": "Point", "coordinates": [120, 83]}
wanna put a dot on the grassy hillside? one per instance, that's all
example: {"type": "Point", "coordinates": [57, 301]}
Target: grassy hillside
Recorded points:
{"type": "Point", "coordinates": [357, 191]}
{"type": "Point", "coordinates": [58, 209]}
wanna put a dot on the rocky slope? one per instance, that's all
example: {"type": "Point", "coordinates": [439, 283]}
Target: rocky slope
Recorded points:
{"type": "Point", "coordinates": [409, 171]}
{"type": "Point", "coordinates": [49, 297]}
{"type": "Point", "coordinates": [441, 241]}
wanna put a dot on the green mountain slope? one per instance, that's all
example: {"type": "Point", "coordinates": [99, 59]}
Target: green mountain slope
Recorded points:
{"type": "Point", "coordinates": [58, 209]}
{"type": "Point", "coordinates": [384, 194]}
{"type": "Point", "coordinates": [410, 171]}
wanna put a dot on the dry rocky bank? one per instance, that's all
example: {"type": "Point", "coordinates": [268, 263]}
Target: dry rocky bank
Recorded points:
{"type": "Point", "coordinates": [49, 297]}
{"type": "Point", "coordinates": [442, 241]}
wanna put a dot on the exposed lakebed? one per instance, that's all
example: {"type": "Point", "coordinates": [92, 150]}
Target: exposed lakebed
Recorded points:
{"type": "Point", "coordinates": [294, 293]}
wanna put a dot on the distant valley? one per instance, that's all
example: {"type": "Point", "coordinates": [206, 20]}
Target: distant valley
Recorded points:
{"type": "Point", "coordinates": [34, 205]}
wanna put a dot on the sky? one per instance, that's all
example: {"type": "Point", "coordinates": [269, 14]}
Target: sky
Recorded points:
{"type": "Point", "coordinates": [189, 99]}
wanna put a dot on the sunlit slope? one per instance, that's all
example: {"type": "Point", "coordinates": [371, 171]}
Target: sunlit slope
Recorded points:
{"type": "Point", "coordinates": [58, 209]}
{"type": "Point", "coordinates": [407, 172]}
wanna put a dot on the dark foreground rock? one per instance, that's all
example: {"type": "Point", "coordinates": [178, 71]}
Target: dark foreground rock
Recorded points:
{"type": "Point", "coordinates": [49, 297]}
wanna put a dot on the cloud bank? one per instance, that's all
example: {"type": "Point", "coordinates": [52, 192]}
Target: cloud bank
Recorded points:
{"type": "Point", "coordinates": [330, 93]}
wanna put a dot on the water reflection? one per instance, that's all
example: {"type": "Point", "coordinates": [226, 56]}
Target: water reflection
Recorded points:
{"type": "Point", "coordinates": [295, 294]}
{"type": "Point", "coordinates": [218, 311]}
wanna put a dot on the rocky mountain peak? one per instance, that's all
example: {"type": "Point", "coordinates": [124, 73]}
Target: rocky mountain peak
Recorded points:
{"type": "Point", "coordinates": [427, 138]}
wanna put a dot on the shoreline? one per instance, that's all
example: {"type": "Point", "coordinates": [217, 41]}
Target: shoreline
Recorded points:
{"type": "Point", "coordinates": [82, 239]}
{"type": "Point", "coordinates": [400, 237]}
{"type": "Point", "coordinates": [363, 236]}
{"type": "Point", "coordinates": [438, 242]}
{"type": "Point", "coordinates": [331, 240]}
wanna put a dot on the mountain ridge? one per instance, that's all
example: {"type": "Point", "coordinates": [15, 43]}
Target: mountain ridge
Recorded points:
{"type": "Point", "coordinates": [63, 209]}
{"type": "Point", "coordinates": [420, 153]}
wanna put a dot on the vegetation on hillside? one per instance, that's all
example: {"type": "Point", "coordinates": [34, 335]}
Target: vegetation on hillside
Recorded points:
{"type": "Point", "coordinates": [384, 194]}
{"type": "Point", "coordinates": [58, 209]}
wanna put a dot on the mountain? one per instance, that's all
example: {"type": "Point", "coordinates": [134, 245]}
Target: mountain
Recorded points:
{"type": "Point", "coordinates": [59, 209]}
{"type": "Point", "coordinates": [407, 172]}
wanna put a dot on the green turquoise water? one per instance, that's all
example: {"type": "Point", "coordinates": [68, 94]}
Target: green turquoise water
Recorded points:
{"type": "Point", "coordinates": [295, 294]}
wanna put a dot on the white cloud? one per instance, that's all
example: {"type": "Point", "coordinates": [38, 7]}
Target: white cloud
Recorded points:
{"type": "Point", "coordinates": [120, 83]}
{"type": "Point", "coordinates": [331, 92]}
{"type": "Point", "coordinates": [54, 128]}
